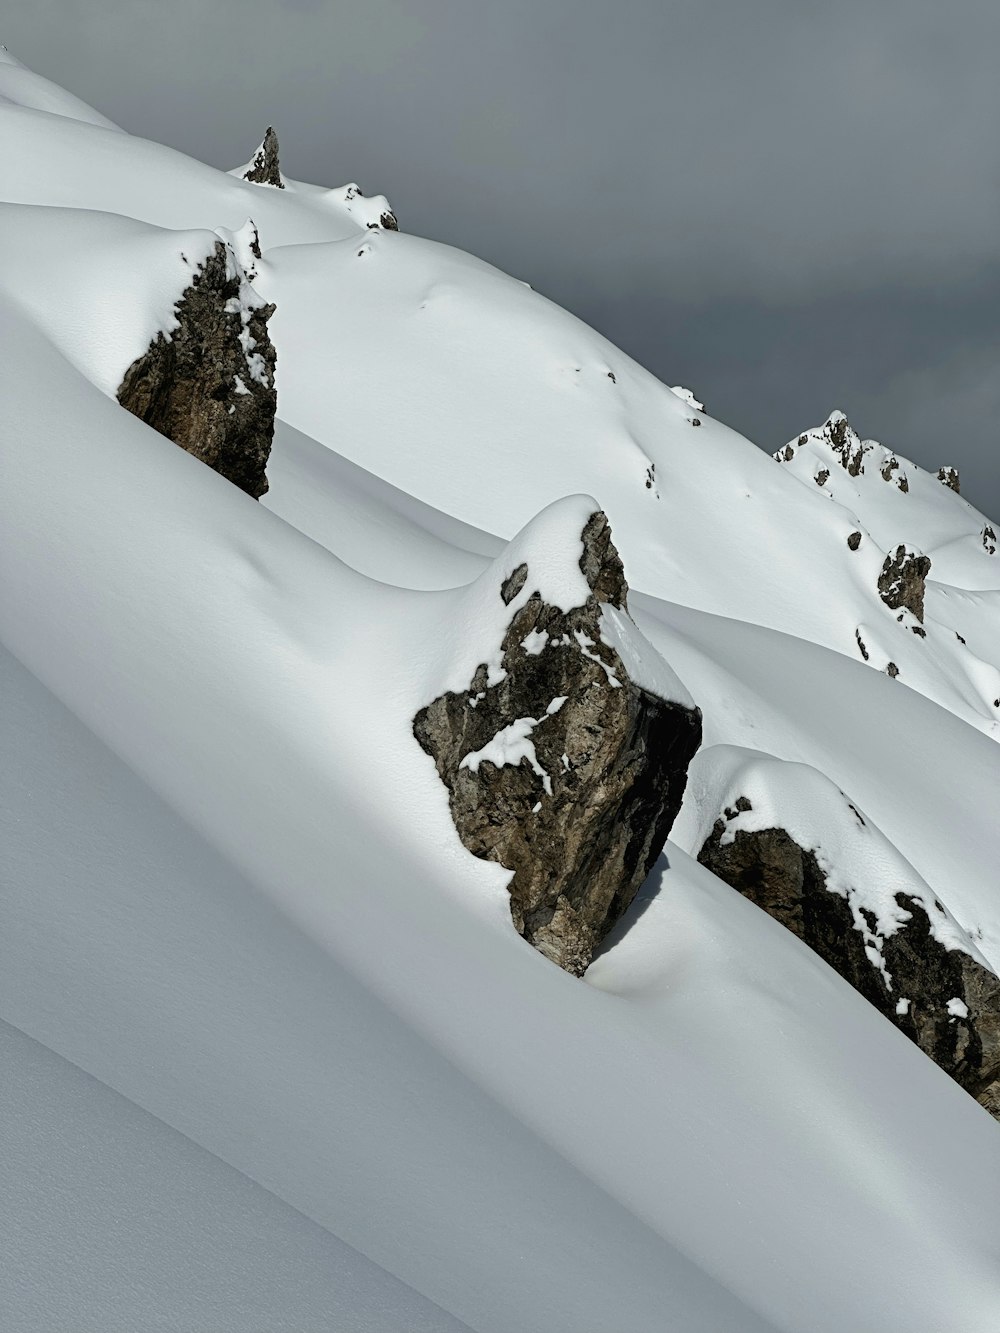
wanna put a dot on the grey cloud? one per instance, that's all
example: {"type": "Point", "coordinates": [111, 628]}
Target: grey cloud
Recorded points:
{"type": "Point", "coordinates": [751, 163]}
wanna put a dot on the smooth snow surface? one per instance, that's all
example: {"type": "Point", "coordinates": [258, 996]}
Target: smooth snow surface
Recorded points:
{"type": "Point", "coordinates": [275, 1055]}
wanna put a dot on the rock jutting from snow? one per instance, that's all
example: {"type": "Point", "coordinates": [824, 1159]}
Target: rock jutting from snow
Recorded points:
{"type": "Point", "coordinates": [208, 384]}
{"type": "Point", "coordinates": [558, 764]}
{"type": "Point", "coordinates": [943, 999]}
{"type": "Point", "coordinates": [948, 476]}
{"type": "Point", "coordinates": [264, 168]}
{"type": "Point", "coordinates": [836, 442]}
{"type": "Point", "coordinates": [901, 582]}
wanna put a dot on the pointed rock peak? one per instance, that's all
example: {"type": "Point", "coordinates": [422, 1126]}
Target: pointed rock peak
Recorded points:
{"type": "Point", "coordinates": [208, 383]}
{"type": "Point", "coordinates": [264, 168]}
{"type": "Point", "coordinates": [565, 754]}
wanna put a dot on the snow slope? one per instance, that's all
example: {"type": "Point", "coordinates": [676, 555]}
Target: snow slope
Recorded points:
{"type": "Point", "coordinates": [244, 950]}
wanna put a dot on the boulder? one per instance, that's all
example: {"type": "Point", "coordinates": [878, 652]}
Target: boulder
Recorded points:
{"type": "Point", "coordinates": [566, 755]}
{"type": "Point", "coordinates": [901, 582]}
{"type": "Point", "coordinates": [208, 383]}
{"type": "Point", "coordinates": [913, 963]}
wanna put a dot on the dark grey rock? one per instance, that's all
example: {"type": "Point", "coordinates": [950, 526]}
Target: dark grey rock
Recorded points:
{"type": "Point", "coordinates": [264, 168]}
{"type": "Point", "coordinates": [854, 540]}
{"type": "Point", "coordinates": [582, 825]}
{"type": "Point", "coordinates": [889, 468]}
{"type": "Point", "coordinates": [209, 384]}
{"type": "Point", "coordinates": [948, 476]}
{"type": "Point", "coordinates": [942, 999]}
{"type": "Point", "coordinates": [901, 582]}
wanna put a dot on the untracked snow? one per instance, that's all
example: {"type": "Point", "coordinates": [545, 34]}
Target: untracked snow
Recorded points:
{"type": "Point", "coordinates": [275, 1054]}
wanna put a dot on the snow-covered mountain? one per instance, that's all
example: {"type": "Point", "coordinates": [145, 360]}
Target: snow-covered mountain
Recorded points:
{"type": "Point", "coordinates": [275, 1055]}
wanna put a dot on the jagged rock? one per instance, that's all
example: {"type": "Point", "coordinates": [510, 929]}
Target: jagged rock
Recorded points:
{"type": "Point", "coordinates": [891, 670]}
{"type": "Point", "coordinates": [901, 582]}
{"type": "Point", "coordinates": [941, 998]}
{"type": "Point", "coordinates": [836, 442]}
{"type": "Point", "coordinates": [989, 539]}
{"type": "Point", "coordinates": [559, 765]}
{"type": "Point", "coordinates": [948, 476]}
{"type": "Point", "coordinates": [264, 168]}
{"type": "Point", "coordinates": [846, 443]}
{"type": "Point", "coordinates": [208, 384]}
{"type": "Point", "coordinates": [854, 540]}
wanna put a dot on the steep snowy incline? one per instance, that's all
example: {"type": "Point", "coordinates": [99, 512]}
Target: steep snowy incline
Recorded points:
{"type": "Point", "coordinates": [22, 87]}
{"type": "Point", "coordinates": [266, 692]}
{"type": "Point", "coordinates": [113, 1221]}
{"type": "Point", "coordinates": [233, 893]}
{"type": "Point", "coordinates": [458, 385]}
{"type": "Point", "coordinates": [465, 390]}
{"type": "Point", "coordinates": [77, 160]}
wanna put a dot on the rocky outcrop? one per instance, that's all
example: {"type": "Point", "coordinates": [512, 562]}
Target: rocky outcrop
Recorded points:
{"type": "Point", "coordinates": [559, 764]}
{"type": "Point", "coordinates": [901, 582]}
{"type": "Point", "coordinates": [948, 476]}
{"type": "Point", "coordinates": [264, 168]}
{"type": "Point", "coordinates": [836, 443]}
{"type": "Point", "coordinates": [941, 997]}
{"type": "Point", "coordinates": [208, 384]}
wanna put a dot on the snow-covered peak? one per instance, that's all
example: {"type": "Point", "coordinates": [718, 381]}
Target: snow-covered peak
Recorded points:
{"type": "Point", "coordinates": [24, 88]}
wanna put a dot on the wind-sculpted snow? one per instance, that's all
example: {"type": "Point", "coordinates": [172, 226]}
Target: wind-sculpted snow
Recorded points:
{"type": "Point", "coordinates": [234, 897]}
{"type": "Point", "coordinates": [795, 845]}
{"type": "Point", "coordinates": [549, 407]}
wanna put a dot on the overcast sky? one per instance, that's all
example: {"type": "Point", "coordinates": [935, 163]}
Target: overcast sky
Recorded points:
{"type": "Point", "coordinates": [789, 206]}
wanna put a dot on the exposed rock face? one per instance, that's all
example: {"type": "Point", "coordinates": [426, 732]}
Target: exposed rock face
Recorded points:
{"type": "Point", "coordinates": [948, 476]}
{"type": "Point", "coordinates": [901, 582]}
{"type": "Point", "coordinates": [837, 442]}
{"type": "Point", "coordinates": [564, 770]}
{"type": "Point", "coordinates": [264, 168]}
{"type": "Point", "coordinates": [942, 999]}
{"type": "Point", "coordinates": [209, 384]}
